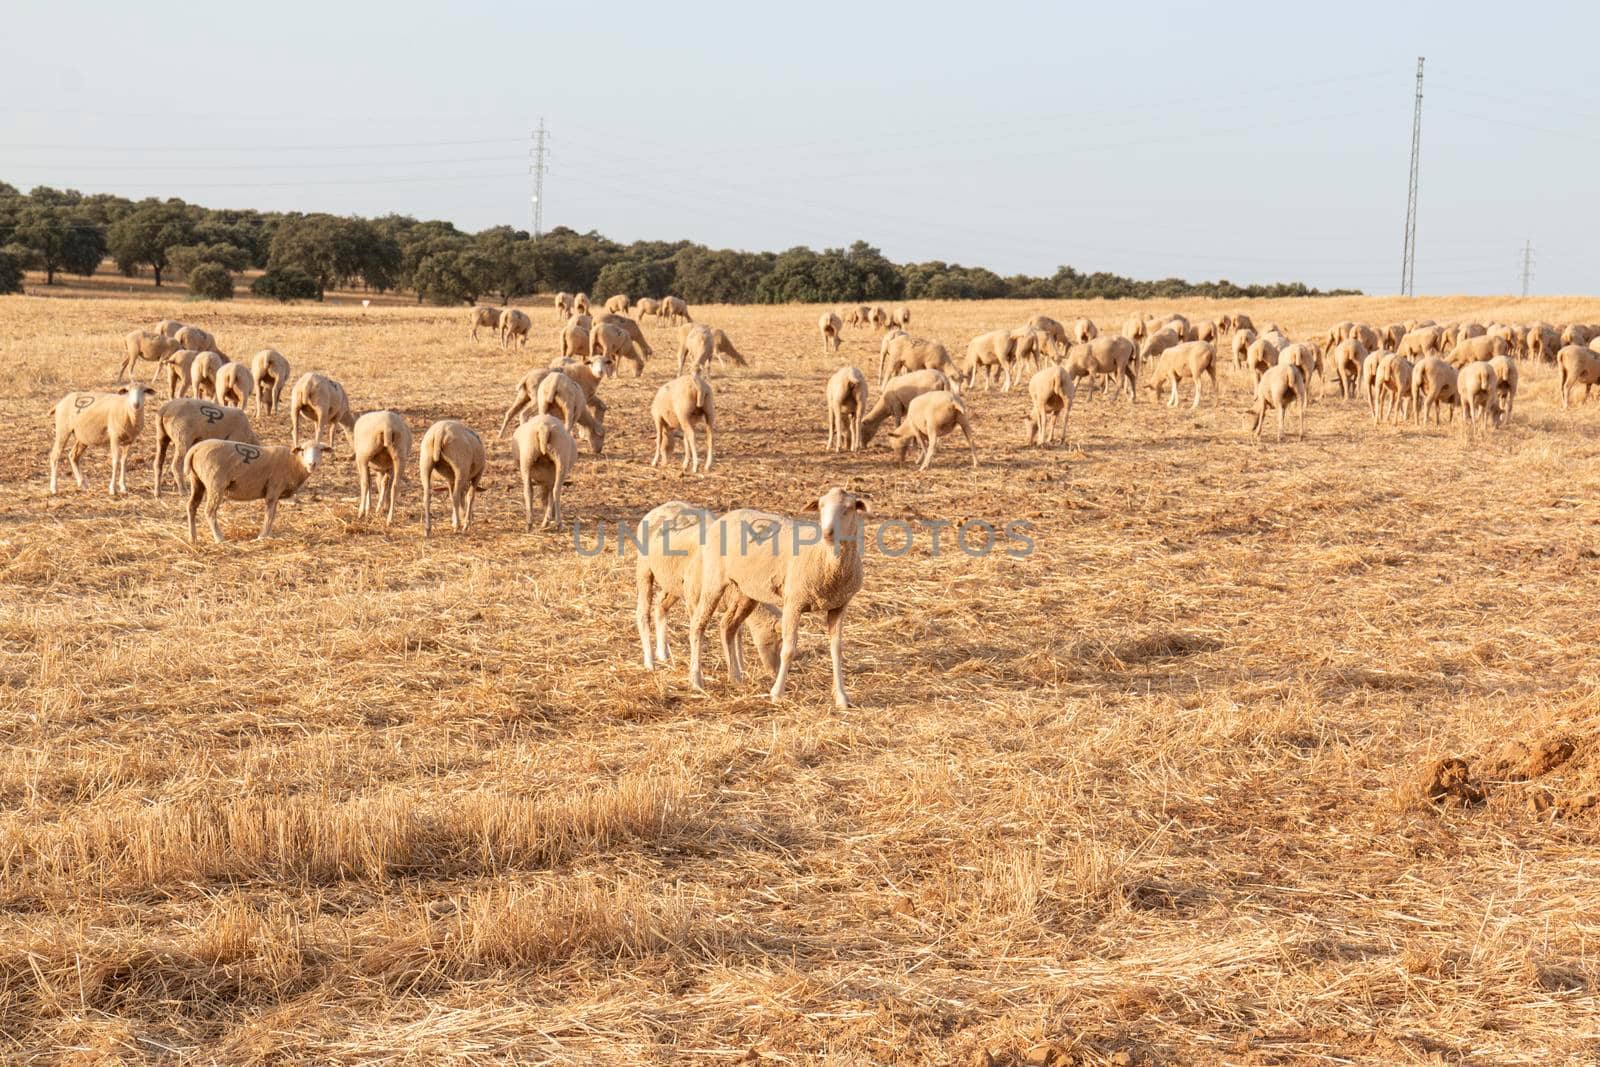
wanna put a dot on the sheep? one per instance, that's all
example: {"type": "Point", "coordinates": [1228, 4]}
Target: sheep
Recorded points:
{"type": "Point", "coordinates": [168, 328]}
{"type": "Point", "coordinates": [94, 419]}
{"type": "Point", "coordinates": [847, 405]}
{"type": "Point", "coordinates": [1052, 329]}
{"type": "Point", "coordinates": [382, 442]}
{"type": "Point", "coordinates": [674, 311]}
{"type": "Point", "coordinates": [900, 352]}
{"type": "Point", "coordinates": [1261, 356]}
{"type": "Point", "coordinates": [1369, 379]}
{"type": "Point", "coordinates": [1478, 391]}
{"type": "Point", "coordinates": [1111, 356]}
{"type": "Point", "coordinates": [556, 390]}
{"type": "Point", "coordinates": [1179, 324]}
{"type": "Point", "coordinates": [797, 575]}
{"type": "Point", "coordinates": [455, 446]}
{"type": "Point", "coordinates": [1366, 335]}
{"type": "Point", "coordinates": [580, 304]}
{"type": "Point", "coordinates": [1474, 349]}
{"type": "Point", "coordinates": [563, 305]}
{"type": "Point", "coordinates": [514, 326]}
{"type": "Point", "coordinates": [830, 325]}
{"type": "Point", "coordinates": [1084, 331]}
{"type": "Point", "coordinates": [1304, 355]}
{"type": "Point", "coordinates": [1242, 340]}
{"type": "Point", "coordinates": [679, 406]}
{"type": "Point", "coordinates": [1157, 342]}
{"type": "Point", "coordinates": [197, 339]}
{"type": "Point", "coordinates": [1135, 329]}
{"type": "Point", "coordinates": [1391, 336]}
{"type": "Point", "coordinates": [990, 352]}
{"type": "Point", "coordinates": [271, 372]}
{"type": "Point", "coordinates": [575, 338]}
{"type": "Point", "coordinates": [1575, 334]}
{"type": "Point", "coordinates": [1392, 396]}
{"type": "Point", "coordinates": [901, 317]}
{"type": "Point", "coordinates": [1544, 343]}
{"type": "Point", "coordinates": [177, 367]}
{"type": "Point", "coordinates": [1279, 388]}
{"type": "Point", "coordinates": [698, 344]}
{"type": "Point", "coordinates": [1027, 346]}
{"type": "Point", "coordinates": [1577, 366]}
{"type": "Point", "coordinates": [1420, 342]}
{"type": "Point", "coordinates": [896, 396]}
{"type": "Point", "coordinates": [544, 453]}
{"type": "Point", "coordinates": [590, 421]}
{"type": "Point", "coordinates": [618, 304]}
{"type": "Point", "coordinates": [855, 314]}
{"type": "Point", "coordinates": [1347, 358]}
{"type": "Point", "coordinates": [203, 372]}
{"type": "Point", "coordinates": [1050, 391]}
{"type": "Point", "coordinates": [928, 416]}
{"type": "Point", "coordinates": [1507, 377]}
{"type": "Point", "coordinates": [1238, 320]}
{"type": "Point", "coordinates": [145, 345]}
{"type": "Point", "coordinates": [1433, 386]}
{"type": "Point", "coordinates": [1192, 359]}
{"type": "Point", "coordinates": [1336, 333]}
{"type": "Point", "coordinates": [617, 336]}
{"type": "Point", "coordinates": [322, 401]}
{"type": "Point", "coordinates": [482, 316]}
{"type": "Point", "coordinates": [647, 306]}
{"type": "Point", "coordinates": [232, 470]}
{"type": "Point", "coordinates": [235, 385]}
{"type": "Point", "coordinates": [878, 317]}
{"type": "Point", "coordinates": [181, 422]}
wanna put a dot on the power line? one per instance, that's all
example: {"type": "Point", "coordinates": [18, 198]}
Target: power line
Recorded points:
{"type": "Point", "coordinates": [52, 167]}
{"type": "Point", "coordinates": [1408, 264]}
{"type": "Point", "coordinates": [163, 148]}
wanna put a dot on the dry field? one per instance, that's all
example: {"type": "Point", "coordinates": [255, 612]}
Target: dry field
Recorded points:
{"type": "Point", "coordinates": [1152, 794]}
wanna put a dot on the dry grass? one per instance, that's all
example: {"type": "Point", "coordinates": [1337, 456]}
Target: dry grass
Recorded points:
{"type": "Point", "coordinates": [1157, 793]}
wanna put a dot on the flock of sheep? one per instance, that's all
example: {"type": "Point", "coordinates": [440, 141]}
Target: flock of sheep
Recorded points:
{"type": "Point", "coordinates": [208, 445]}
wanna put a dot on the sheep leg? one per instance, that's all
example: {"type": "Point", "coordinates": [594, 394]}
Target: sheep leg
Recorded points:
{"type": "Point", "coordinates": [527, 494]}
{"type": "Point", "coordinates": [112, 448]}
{"type": "Point", "coordinates": [836, 650]}
{"type": "Point", "coordinates": [966, 431]}
{"type": "Point", "coordinates": [791, 637]}
{"type": "Point", "coordinates": [732, 619]}
{"type": "Point", "coordinates": [121, 452]}
{"type": "Point", "coordinates": [472, 496]}
{"type": "Point", "coordinates": [425, 476]}
{"type": "Point", "coordinates": [691, 447]}
{"type": "Point", "coordinates": [364, 487]}
{"type": "Point", "coordinates": [927, 453]}
{"type": "Point", "coordinates": [213, 508]}
{"type": "Point", "coordinates": [272, 513]}
{"type": "Point", "coordinates": [55, 462]}
{"type": "Point", "coordinates": [643, 595]}
{"type": "Point", "coordinates": [697, 632]}
{"type": "Point", "coordinates": [1216, 393]}
{"type": "Point", "coordinates": [195, 492]}
{"type": "Point", "coordinates": [78, 449]}
{"type": "Point", "coordinates": [711, 443]}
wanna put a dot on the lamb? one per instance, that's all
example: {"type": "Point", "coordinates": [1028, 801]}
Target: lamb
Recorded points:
{"type": "Point", "coordinates": [1478, 391]}
{"type": "Point", "coordinates": [674, 310]}
{"type": "Point", "coordinates": [668, 570]}
{"type": "Point", "coordinates": [453, 445]}
{"type": "Point", "coordinates": [830, 325]}
{"type": "Point", "coordinates": [647, 306]}
{"type": "Point", "coordinates": [1050, 391]}
{"type": "Point", "coordinates": [1393, 388]}
{"type": "Point", "coordinates": [514, 326]}
{"type": "Point", "coordinates": [1279, 388]}
{"type": "Point", "coordinates": [992, 352]}
{"type": "Point", "coordinates": [203, 372]}
{"type": "Point", "coordinates": [698, 344]}
{"type": "Point", "coordinates": [271, 372]}
{"type": "Point", "coordinates": [618, 336]}
{"type": "Point", "coordinates": [1052, 329]}
{"type": "Point", "coordinates": [1577, 366]}
{"type": "Point", "coordinates": [182, 422]}
{"type": "Point", "coordinates": [481, 316]}
{"type": "Point", "coordinates": [142, 344]}
{"type": "Point", "coordinates": [195, 338]}
{"type": "Point", "coordinates": [896, 397]}
{"type": "Point", "coordinates": [234, 385]}
{"type": "Point", "coordinates": [1111, 356]}
{"type": "Point", "coordinates": [1084, 331]}
{"type": "Point", "coordinates": [796, 575]}
{"type": "Point", "coordinates": [544, 453]}
{"type": "Point", "coordinates": [94, 419]}
{"type": "Point", "coordinates": [1192, 359]}
{"type": "Point", "coordinates": [928, 416]}
{"type": "Point", "coordinates": [1347, 358]}
{"type": "Point", "coordinates": [1158, 342]}
{"type": "Point", "coordinates": [679, 406]}
{"type": "Point", "coordinates": [232, 470]}
{"type": "Point", "coordinates": [847, 404]}
{"type": "Point", "coordinates": [1473, 349]}
{"type": "Point", "coordinates": [580, 304]}
{"type": "Point", "coordinates": [618, 304]}
{"type": "Point", "coordinates": [320, 400]}
{"type": "Point", "coordinates": [899, 352]}
{"type": "Point", "coordinates": [1507, 377]}
{"type": "Point", "coordinates": [1433, 386]}
{"type": "Point", "coordinates": [563, 305]}
{"type": "Point", "coordinates": [1242, 340]}
{"type": "Point", "coordinates": [382, 443]}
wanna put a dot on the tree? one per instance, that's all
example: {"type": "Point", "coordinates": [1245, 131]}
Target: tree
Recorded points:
{"type": "Point", "coordinates": [146, 234]}
{"type": "Point", "coordinates": [211, 281]}
{"type": "Point", "coordinates": [60, 238]}
{"type": "Point", "coordinates": [11, 264]}
{"type": "Point", "coordinates": [184, 258]}
{"type": "Point", "coordinates": [635, 278]}
{"type": "Point", "coordinates": [509, 262]}
{"type": "Point", "coordinates": [285, 285]}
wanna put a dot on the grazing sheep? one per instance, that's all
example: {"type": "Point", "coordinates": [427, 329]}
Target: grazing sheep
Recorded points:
{"type": "Point", "coordinates": [1422, 341]}
{"type": "Point", "coordinates": [203, 372]}
{"type": "Point", "coordinates": [1050, 392]}
{"type": "Point", "coordinates": [544, 454]}
{"type": "Point", "coordinates": [1474, 349]}
{"type": "Point", "coordinates": [879, 318]}
{"type": "Point", "coordinates": [575, 338]}
{"type": "Point", "coordinates": [901, 317]}
{"type": "Point", "coordinates": [232, 470]}
{"type": "Point", "coordinates": [1544, 343]}
{"type": "Point", "coordinates": [1346, 359]}
{"type": "Point", "coordinates": [1433, 387]}
{"type": "Point", "coordinates": [177, 367]}
{"type": "Point", "coordinates": [168, 328]}
{"type": "Point", "coordinates": [580, 304]}
{"type": "Point", "coordinates": [1369, 380]}
{"type": "Point", "coordinates": [647, 306]}
{"type": "Point", "coordinates": [453, 445]}
{"type": "Point", "coordinates": [1157, 343]}
{"type": "Point", "coordinates": [847, 405]}
{"type": "Point", "coordinates": [1179, 324]}
{"type": "Point", "coordinates": [234, 385]}
{"type": "Point", "coordinates": [557, 391]}
{"type": "Point", "coordinates": [1052, 329]}
{"type": "Point", "coordinates": [482, 316]}
{"type": "Point", "coordinates": [1279, 388]}
{"type": "Point", "coordinates": [896, 396]}
{"type": "Point", "coordinates": [992, 353]}
{"type": "Point", "coordinates": [563, 305]}
{"type": "Point", "coordinates": [698, 344]}
{"type": "Point", "coordinates": [1111, 356]}
{"type": "Point", "coordinates": [619, 337]}
{"type": "Point", "coordinates": [1393, 397]}
{"type": "Point", "coordinates": [830, 326]}
{"type": "Point", "coordinates": [1192, 359]}
{"type": "Point", "coordinates": [383, 448]}
{"type": "Point", "coordinates": [197, 339]}
{"type": "Point", "coordinates": [1084, 331]}
{"type": "Point", "coordinates": [1507, 377]}
{"type": "Point", "coordinates": [145, 345]}
{"type": "Point", "coordinates": [1468, 330]}
{"type": "Point", "coordinates": [590, 421]}
{"type": "Point", "coordinates": [322, 401]}
{"type": "Point", "coordinates": [90, 420]}
{"type": "Point", "coordinates": [1205, 330]}
{"type": "Point", "coordinates": [668, 570]}
{"type": "Point", "coordinates": [1577, 366]}
{"type": "Point", "coordinates": [1261, 356]}
{"type": "Point", "coordinates": [796, 575]}
{"type": "Point", "coordinates": [674, 311]}
{"type": "Point", "coordinates": [928, 416]}
{"type": "Point", "coordinates": [1336, 333]}
{"type": "Point", "coordinates": [1391, 336]}
{"type": "Point", "coordinates": [1027, 346]}
{"type": "Point", "coordinates": [618, 304]}
{"type": "Point", "coordinates": [900, 352]}
{"type": "Point", "coordinates": [1575, 334]}
{"type": "Point", "coordinates": [679, 406]}
{"type": "Point", "coordinates": [271, 372]}
{"type": "Point", "coordinates": [1366, 335]}
{"type": "Point", "coordinates": [1135, 329]}
{"type": "Point", "coordinates": [1242, 340]}
{"type": "Point", "coordinates": [182, 422]}
{"type": "Point", "coordinates": [1478, 391]}
{"type": "Point", "coordinates": [1304, 355]}
{"type": "Point", "coordinates": [514, 326]}
{"type": "Point", "coordinates": [1241, 321]}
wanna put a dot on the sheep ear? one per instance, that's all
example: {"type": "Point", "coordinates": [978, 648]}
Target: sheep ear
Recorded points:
{"type": "Point", "coordinates": [863, 505]}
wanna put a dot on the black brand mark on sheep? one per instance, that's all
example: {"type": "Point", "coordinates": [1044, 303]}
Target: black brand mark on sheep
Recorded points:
{"type": "Point", "coordinates": [83, 401]}
{"type": "Point", "coordinates": [249, 453]}
{"type": "Point", "coordinates": [211, 414]}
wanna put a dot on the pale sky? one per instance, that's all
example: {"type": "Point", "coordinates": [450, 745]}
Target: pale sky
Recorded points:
{"type": "Point", "coordinates": [1249, 141]}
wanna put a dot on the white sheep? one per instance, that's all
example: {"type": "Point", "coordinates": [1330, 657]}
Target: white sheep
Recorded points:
{"type": "Point", "coordinates": [183, 422]}
{"type": "Point", "coordinates": [1279, 388]}
{"type": "Point", "coordinates": [618, 304]}
{"type": "Point", "coordinates": [563, 304]}
{"type": "Point", "coordinates": [203, 372]}
{"type": "Point", "coordinates": [900, 352]}
{"type": "Point", "coordinates": [847, 405]}
{"type": "Point", "coordinates": [483, 316]}
{"type": "Point", "coordinates": [90, 420]}
{"type": "Point", "coordinates": [895, 397]}
{"type": "Point", "coordinates": [1051, 391]}
{"type": "Point", "coordinates": [456, 447]}
{"type": "Point", "coordinates": [928, 416]}
{"type": "Point", "coordinates": [1392, 396]}
{"type": "Point", "coordinates": [168, 328]}
{"type": "Point", "coordinates": [1507, 378]}
{"type": "Point", "coordinates": [1111, 356]}
{"type": "Point", "coordinates": [514, 326]}
{"type": "Point", "coordinates": [322, 401]}
{"type": "Point", "coordinates": [1433, 389]}
{"type": "Point", "coordinates": [1478, 392]}
{"type": "Point", "coordinates": [993, 353]}
{"type": "Point", "coordinates": [786, 569]}
{"type": "Point", "coordinates": [146, 345]}
{"type": "Point", "coordinates": [271, 372]}
{"type": "Point", "coordinates": [1181, 362]}
{"type": "Point", "coordinates": [544, 454]}
{"type": "Point", "coordinates": [234, 385]}
{"type": "Point", "coordinates": [619, 337]}
{"type": "Point", "coordinates": [1053, 330]}
{"type": "Point", "coordinates": [679, 406]}
{"type": "Point", "coordinates": [556, 391]}
{"type": "Point", "coordinates": [177, 367]}
{"type": "Point", "coordinates": [382, 442]}
{"type": "Point", "coordinates": [830, 326]}
{"type": "Point", "coordinates": [231, 470]}
{"type": "Point", "coordinates": [587, 377]}
{"type": "Point", "coordinates": [196, 338]}
{"type": "Point", "coordinates": [580, 304]}
{"type": "Point", "coordinates": [1576, 366]}
{"type": "Point", "coordinates": [698, 344]}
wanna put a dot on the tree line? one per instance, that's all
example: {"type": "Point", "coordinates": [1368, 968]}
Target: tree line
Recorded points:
{"type": "Point", "coordinates": [304, 255]}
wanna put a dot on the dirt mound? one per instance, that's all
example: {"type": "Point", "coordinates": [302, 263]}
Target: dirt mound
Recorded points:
{"type": "Point", "coordinates": [1562, 770]}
